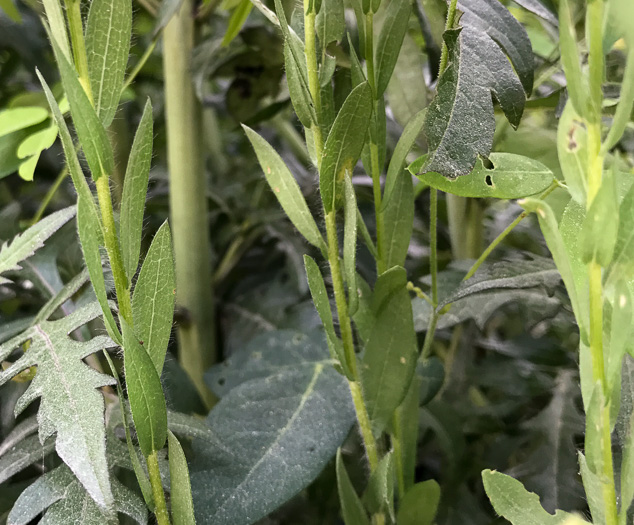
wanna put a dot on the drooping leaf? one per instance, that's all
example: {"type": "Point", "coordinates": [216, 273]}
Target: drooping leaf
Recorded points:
{"type": "Point", "coordinates": [27, 243]}
{"type": "Point", "coordinates": [284, 413]}
{"type": "Point", "coordinates": [134, 192]}
{"type": "Point", "coordinates": [420, 504]}
{"type": "Point", "coordinates": [70, 405]}
{"type": "Point", "coordinates": [344, 145]}
{"type": "Point", "coordinates": [90, 131]}
{"type": "Point", "coordinates": [15, 119]}
{"type": "Point", "coordinates": [286, 189]}
{"type": "Point", "coordinates": [145, 393]}
{"type": "Point", "coordinates": [390, 41]}
{"type": "Point", "coordinates": [180, 489]}
{"type": "Point", "coordinates": [390, 353]}
{"type": "Point", "coordinates": [153, 297]}
{"type": "Point", "coordinates": [460, 121]}
{"type": "Point", "coordinates": [352, 509]}
{"type": "Point", "coordinates": [108, 33]}
{"type": "Point", "coordinates": [513, 502]}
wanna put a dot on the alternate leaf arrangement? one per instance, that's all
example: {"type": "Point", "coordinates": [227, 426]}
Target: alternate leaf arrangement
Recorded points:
{"type": "Point", "coordinates": [288, 399]}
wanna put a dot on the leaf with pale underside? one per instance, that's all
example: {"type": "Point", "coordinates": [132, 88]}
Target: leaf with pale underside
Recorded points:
{"type": "Point", "coordinates": [70, 404]}
{"type": "Point", "coordinates": [27, 243]}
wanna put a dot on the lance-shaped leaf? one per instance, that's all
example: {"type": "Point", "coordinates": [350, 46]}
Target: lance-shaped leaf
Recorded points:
{"type": "Point", "coordinates": [180, 488]}
{"type": "Point", "coordinates": [135, 191]}
{"type": "Point", "coordinates": [27, 243]}
{"type": "Point", "coordinates": [352, 509]}
{"type": "Point", "coordinates": [108, 33]}
{"type": "Point", "coordinates": [63, 499]}
{"type": "Point", "coordinates": [344, 145]}
{"type": "Point", "coordinates": [390, 42]}
{"type": "Point", "coordinates": [460, 121]}
{"type": "Point", "coordinates": [330, 22]}
{"type": "Point", "coordinates": [350, 245]}
{"type": "Point", "coordinates": [70, 404]}
{"type": "Point", "coordinates": [153, 298]}
{"type": "Point", "coordinates": [284, 413]}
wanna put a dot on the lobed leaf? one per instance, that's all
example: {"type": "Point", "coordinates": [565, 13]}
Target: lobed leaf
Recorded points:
{"type": "Point", "coordinates": [70, 405]}
{"type": "Point", "coordinates": [27, 243]}
{"type": "Point", "coordinates": [108, 33]}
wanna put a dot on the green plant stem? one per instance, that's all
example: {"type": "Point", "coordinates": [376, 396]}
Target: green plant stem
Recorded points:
{"type": "Point", "coordinates": [188, 202]}
{"type": "Point", "coordinates": [139, 65]}
{"type": "Point", "coordinates": [49, 195]}
{"type": "Point", "coordinates": [429, 336]}
{"type": "Point", "coordinates": [160, 511]}
{"type": "Point", "coordinates": [451, 18]}
{"type": "Point", "coordinates": [76, 29]}
{"type": "Point", "coordinates": [433, 244]}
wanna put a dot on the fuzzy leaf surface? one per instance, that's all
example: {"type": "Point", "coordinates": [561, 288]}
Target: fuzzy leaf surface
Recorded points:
{"type": "Point", "coordinates": [352, 509]}
{"type": "Point", "coordinates": [283, 414]}
{"type": "Point", "coordinates": [108, 32]}
{"type": "Point", "coordinates": [460, 121]}
{"type": "Point", "coordinates": [70, 404]}
{"type": "Point", "coordinates": [180, 488]}
{"type": "Point", "coordinates": [27, 243]}
{"type": "Point", "coordinates": [23, 454]}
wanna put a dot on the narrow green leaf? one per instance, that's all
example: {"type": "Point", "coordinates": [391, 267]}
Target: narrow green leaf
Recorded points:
{"type": "Point", "coordinates": [91, 238]}
{"type": "Point", "coordinates": [352, 509]}
{"type": "Point", "coordinates": [624, 108]}
{"type": "Point", "coordinates": [237, 20]}
{"type": "Point", "coordinates": [512, 177]}
{"type": "Point", "coordinates": [541, 8]}
{"type": "Point", "coordinates": [65, 294]}
{"type": "Point", "coordinates": [600, 226]}
{"type": "Point", "coordinates": [401, 150]}
{"type": "Point", "coordinates": [364, 318]}
{"type": "Point", "coordinates": [391, 352]}
{"type": "Point", "coordinates": [572, 138]}
{"type": "Point", "coordinates": [24, 245]}
{"type": "Point", "coordinates": [390, 41]}
{"type": "Point", "coordinates": [621, 331]}
{"type": "Point", "coordinates": [22, 453]}
{"type": "Point", "coordinates": [594, 417]}
{"type": "Point", "coordinates": [145, 393]}
{"type": "Point", "coordinates": [70, 404]}
{"type": "Point", "coordinates": [15, 119]}
{"type": "Point", "coordinates": [322, 305]}
{"type": "Point", "coordinates": [74, 168]}
{"type": "Point", "coordinates": [406, 418]}
{"type": "Point", "coordinates": [344, 145]}
{"type": "Point", "coordinates": [135, 191]}
{"type": "Point", "coordinates": [108, 32]}
{"type": "Point", "coordinates": [420, 504]}
{"type": "Point", "coordinates": [90, 131]}
{"type": "Point", "coordinates": [379, 495]}
{"type": "Point", "coordinates": [180, 488]}
{"type": "Point", "coordinates": [350, 245]}
{"type": "Point", "coordinates": [286, 189]}
{"type": "Point", "coordinates": [512, 501]}
{"type": "Point", "coordinates": [555, 243]}
{"type": "Point", "coordinates": [623, 257]}
{"type": "Point", "coordinates": [593, 485]}
{"type": "Point", "coordinates": [627, 469]}
{"type": "Point", "coordinates": [398, 216]}
{"type": "Point", "coordinates": [330, 22]}
{"type": "Point", "coordinates": [300, 96]}
{"type": "Point", "coordinates": [57, 23]}
{"type": "Point", "coordinates": [153, 297]}
{"type": "Point", "coordinates": [575, 80]}
{"type": "Point", "coordinates": [11, 11]}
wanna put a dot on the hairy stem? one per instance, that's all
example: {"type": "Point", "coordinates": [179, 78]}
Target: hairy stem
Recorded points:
{"type": "Point", "coordinates": [188, 203]}
{"type": "Point", "coordinates": [160, 511]}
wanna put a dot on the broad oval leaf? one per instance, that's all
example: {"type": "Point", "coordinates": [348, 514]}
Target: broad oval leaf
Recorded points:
{"type": "Point", "coordinates": [284, 413]}
{"type": "Point", "coordinates": [512, 177]}
{"type": "Point", "coordinates": [344, 145]}
{"type": "Point", "coordinates": [134, 192]}
{"type": "Point", "coordinates": [145, 393]}
{"type": "Point", "coordinates": [153, 297]}
{"type": "Point", "coordinates": [286, 189]}
{"type": "Point", "coordinates": [70, 404]}
{"type": "Point", "coordinates": [108, 32]}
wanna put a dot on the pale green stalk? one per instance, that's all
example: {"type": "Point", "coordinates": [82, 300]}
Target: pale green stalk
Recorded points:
{"type": "Point", "coordinates": [160, 510]}
{"type": "Point", "coordinates": [188, 201]}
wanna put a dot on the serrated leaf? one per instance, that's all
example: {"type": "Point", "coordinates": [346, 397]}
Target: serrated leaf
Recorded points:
{"type": "Point", "coordinates": [330, 22]}
{"type": "Point", "coordinates": [108, 33]}
{"type": "Point", "coordinates": [70, 405]}
{"type": "Point", "coordinates": [391, 352]}
{"type": "Point", "coordinates": [460, 121]}
{"type": "Point", "coordinates": [352, 509]}
{"type": "Point", "coordinates": [90, 131]}
{"type": "Point", "coordinates": [145, 394]}
{"type": "Point", "coordinates": [390, 41]}
{"type": "Point", "coordinates": [282, 420]}
{"type": "Point", "coordinates": [22, 454]}
{"type": "Point", "coordinates": [91, 238]}
{"type": "Point", "coordinates": [286, 189]}
{"type": "Point", "coordinates": [572, 151]}
{"type": "Point", "coordinates": [513, 502]}
{"type": "Point", "coordinates": [15, 119]}
{"type": "Point", "coordinates": [182, 506]}
{"type": "Point", "coordinates": [350, 244]}
{"type": "Point", "coordinates": [153, 297]}
{"type": "Point", "coordinates": [344, 145]}
{"type": "Point", "coordinates": [27, 243]}
{"type": "Point", "coordinates": [135, 191]}
{"type": "Point", "coordinates": [420, 504]}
